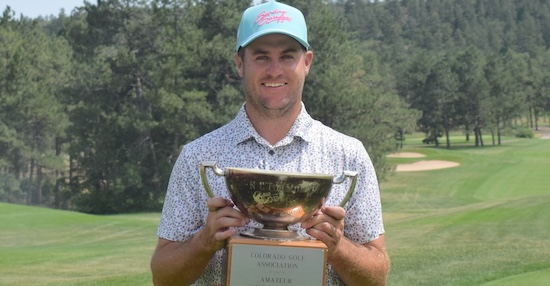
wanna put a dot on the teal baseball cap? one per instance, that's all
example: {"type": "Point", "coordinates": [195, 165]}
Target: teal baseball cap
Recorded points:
{"type": "Point", "coordinates": [271, 18]}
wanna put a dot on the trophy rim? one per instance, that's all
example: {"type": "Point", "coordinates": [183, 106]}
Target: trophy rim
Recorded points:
{"type": "Point", "coordinates": [278, 173]}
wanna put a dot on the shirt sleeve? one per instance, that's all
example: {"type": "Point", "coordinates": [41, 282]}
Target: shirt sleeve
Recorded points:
{"type": "Point", "coordinates": [184, 205]}
{"type": "Point", "coordinates": [363, 221]}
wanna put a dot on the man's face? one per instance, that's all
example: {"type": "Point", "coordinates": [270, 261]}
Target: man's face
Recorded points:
{"type": "Point", "coordinates": [274, 68]}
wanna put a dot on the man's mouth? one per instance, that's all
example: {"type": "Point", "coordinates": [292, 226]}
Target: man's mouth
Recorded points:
{"type": "Point", "coordinates": [274, 84]}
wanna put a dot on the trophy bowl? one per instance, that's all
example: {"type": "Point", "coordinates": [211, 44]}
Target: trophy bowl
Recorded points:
{"type": "Point", "coordinates": [277, 199]}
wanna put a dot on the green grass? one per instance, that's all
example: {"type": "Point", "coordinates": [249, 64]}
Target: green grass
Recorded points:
{"type": "Point", "coordinates": [486, 222]}
{"type": "Point", "coordinates": [50, 247]}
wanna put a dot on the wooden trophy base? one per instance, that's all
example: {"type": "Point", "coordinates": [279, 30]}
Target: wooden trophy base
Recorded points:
{"type": "Point", "coordinates": [259, 262]}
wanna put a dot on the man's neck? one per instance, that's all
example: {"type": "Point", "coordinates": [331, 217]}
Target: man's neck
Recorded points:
{"type": "Point", "coordinates": [273, 129]}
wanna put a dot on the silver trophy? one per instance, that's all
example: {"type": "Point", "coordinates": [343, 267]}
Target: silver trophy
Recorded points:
{"type": "Point", "coordinates": [277, 199]}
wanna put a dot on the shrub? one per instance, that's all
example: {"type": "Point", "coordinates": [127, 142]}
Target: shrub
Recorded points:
{"type": "Point", "coordinates": [524, 133]}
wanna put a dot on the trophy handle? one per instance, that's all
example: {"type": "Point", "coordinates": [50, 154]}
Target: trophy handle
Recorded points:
{"type": "Point", "coordinates": [341, 179]}
{"type": "Point", "coordinates": [204, 179]}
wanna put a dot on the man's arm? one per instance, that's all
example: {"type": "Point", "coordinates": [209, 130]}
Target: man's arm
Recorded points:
{"type": "Point", "coordinates": [182, 263]}
{"type": "Point", "coordinates": [355, 264]}
{"type": "Point", "coordinates": [366, 264]}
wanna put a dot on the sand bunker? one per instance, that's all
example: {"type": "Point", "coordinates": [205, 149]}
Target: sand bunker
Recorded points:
{"type": "Point", "coordinates": [543, 132]}
{"type": "Point", "coordinates": [425, 165]}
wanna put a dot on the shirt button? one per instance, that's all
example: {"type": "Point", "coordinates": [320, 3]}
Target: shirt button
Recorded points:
{"type": "Point", "coordinates": [271, 152]}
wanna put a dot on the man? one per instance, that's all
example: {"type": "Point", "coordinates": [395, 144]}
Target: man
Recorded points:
{"type": "Point", "coordinates": [271, 131]}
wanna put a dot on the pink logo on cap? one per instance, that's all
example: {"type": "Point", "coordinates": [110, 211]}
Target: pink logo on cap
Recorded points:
{"type": "Point", "coordinates": [276, 15]}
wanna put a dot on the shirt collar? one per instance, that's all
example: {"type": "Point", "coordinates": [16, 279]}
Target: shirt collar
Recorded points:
{"type": "Point", "coordinates": [243, 130]}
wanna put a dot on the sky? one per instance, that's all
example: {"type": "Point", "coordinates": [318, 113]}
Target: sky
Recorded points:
{"type": "Point", "coordinates": [35, 8]}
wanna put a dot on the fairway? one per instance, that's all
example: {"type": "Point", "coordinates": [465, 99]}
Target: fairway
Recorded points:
{"type": "Point", "coordinates": [485, 222]}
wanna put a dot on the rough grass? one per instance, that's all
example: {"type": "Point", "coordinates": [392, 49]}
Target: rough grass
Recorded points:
{"type": "Point", "coordinates": [486, 222]}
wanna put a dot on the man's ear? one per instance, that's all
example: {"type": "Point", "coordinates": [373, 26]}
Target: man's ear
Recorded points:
{"type": "Point", "coordinates": [239, 64]}
{"type": "Point", "coordinates": [308, 59]}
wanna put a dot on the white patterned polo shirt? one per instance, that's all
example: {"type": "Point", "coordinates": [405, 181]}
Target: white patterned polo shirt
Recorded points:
{"type": "Point", "coordinates": [309, 147]}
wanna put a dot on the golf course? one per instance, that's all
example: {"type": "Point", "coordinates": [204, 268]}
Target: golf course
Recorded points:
{"type": "Point", "coordinates": [483, 221]}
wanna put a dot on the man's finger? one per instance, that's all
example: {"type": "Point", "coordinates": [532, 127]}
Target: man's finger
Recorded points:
{"type": "Point", "coordinates": [217, 203]}
{"type": "Point", "coordinates": [337, 213]}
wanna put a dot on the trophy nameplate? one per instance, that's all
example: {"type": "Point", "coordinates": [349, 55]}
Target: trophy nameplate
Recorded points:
{"type": "Point", "coordinates": [259, 262]}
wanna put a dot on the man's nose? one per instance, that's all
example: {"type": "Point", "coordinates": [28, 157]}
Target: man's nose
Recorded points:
{"type": "Point", "coordinates": [275, 68]}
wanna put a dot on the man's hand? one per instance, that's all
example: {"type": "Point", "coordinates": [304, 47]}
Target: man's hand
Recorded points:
{"type": "Point", "coordinates": [327, 225]}
{"type": "Point", "coordinates": [182, 263]}
{"type": "Point", "coordinates": [221, 222]}
{"type": "Point", "coordinates": [355, 264]}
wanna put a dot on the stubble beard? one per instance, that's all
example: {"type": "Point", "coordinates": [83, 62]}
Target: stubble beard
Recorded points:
{"type": "Point", "coordinates": [261, 103]}
{"type": "Point", "coordinates": [266, 110]}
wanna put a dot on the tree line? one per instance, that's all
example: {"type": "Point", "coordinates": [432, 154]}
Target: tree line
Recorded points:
{"type": "Point", "coordinates": [96, 105]}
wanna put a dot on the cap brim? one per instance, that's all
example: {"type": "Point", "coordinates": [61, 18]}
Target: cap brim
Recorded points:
{"type": "Point", "coordinates": [272, 31]}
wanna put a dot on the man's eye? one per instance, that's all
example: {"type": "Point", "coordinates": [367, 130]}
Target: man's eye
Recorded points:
{"type": "Point", "coordinates": [261, 58]}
